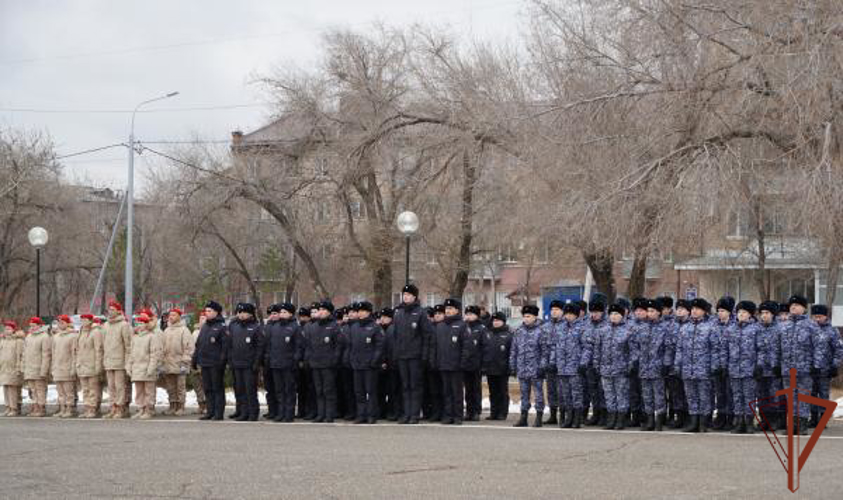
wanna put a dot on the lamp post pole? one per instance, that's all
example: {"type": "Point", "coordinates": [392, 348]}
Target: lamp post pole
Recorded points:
{"type": "Point", "coordinates": [38, 237]}
{"type": "Point", "coordinates": [130, 204]}
{"type": "Point", "coordinates": [408, 224]}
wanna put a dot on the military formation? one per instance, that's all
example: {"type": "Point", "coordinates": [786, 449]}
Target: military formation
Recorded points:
{"type": "Point", "coordinates": [649, 363]}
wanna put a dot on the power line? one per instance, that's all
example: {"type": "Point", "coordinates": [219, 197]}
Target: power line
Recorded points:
{"type": "Point", "coordinates": [128, 111]}
{"type": "Point", "coordinates": [89, 151]}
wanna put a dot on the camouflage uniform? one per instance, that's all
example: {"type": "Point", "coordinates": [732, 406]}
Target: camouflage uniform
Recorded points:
{"type": "Point", "coordinates": [593, 331]}
{"type": "Point", "coordinates": [550, 332]}
{"type": "Point", "coordinates": [831, 346]}
{"type": "Point", "coordinates": [769, 354]}
{"type": "Point", "coordinates": [696, 360]}
{"type": "Point", "coordinates": [743, 364]}
{"type": "Point", "coordinates": [648, 348]}
{"type": "Point", "coordinates": [801, 349]}
{"type": "Point", "coordinates": [527, 361]}
{"type": "Point", "coordinates": [615, 363]}
{"type": "Point", "coordinates": [720, 381]}
{"type": "Point", "coordinates": [568, 356]}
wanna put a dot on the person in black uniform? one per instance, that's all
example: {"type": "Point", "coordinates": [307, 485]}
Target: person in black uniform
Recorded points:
{"type": "Point", "coordinates": [432, 399]}
{"type": "Point", "coordinates": [284, 351]}
{"type": "Point", "coordinates": [412, 333]}
{"type": "Point", "coordinates": [322, 354]}
{"type": "Point", "coordinates": [268, 383]}
{"type": "Point", "coordinates": [473, 354]}
{"type": "Point", "coordinates": [366, 356]}
{"type": "Point", "coordinates": [306, 392]}
{"type": "Point", "coordinates": [246, 353]}
{"type": "Point", "coordinates": [395, 406]}
{"type": "Point", "coordinates": [447, 356]}
{"type": "Point", "coordinates": [346, 406]}
{"type": "Point", "coordinates": [496, 348]}
{"type": "Point", "coordinates": [211, 355]}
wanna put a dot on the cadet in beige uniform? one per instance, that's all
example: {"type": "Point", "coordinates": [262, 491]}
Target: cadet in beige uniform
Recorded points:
{"type": "Point", "coordinates": [143, 364]}
{"type": "Point", "coordinates": [64, 366]}
{"type": "Point", "coordinates": [89, 354]}
{"type": "Point", "coordinates": [37, 352]}
{"type": "Point", "coordinates": [178, 352]}
{"type": "Point", "coordinates": [196, 375]}
{"type": "Point", "coordinates": [11, 367]}
{"type": "Point", "coordinates": [117, 344]}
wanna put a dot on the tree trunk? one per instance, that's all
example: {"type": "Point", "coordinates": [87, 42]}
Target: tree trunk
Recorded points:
{"type": "Point", "coordinates": [460, 280]}
{"type": "Point", "coordinates": [638, 275]}
{"type": "Point", "coordinates": [602, 263]}
{"type": "Point", "coordinates": [761, 280]}
{"type": "Point", "coordinates": [382, 269]}
{"type": "Point", "coordinates": [833, 272]}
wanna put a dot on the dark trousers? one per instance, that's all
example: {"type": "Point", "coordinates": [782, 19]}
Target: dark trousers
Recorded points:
{"type": "Point", "coordinates": [214, 387]}
{"type": "Point", "coordinates": [324, 380]}
{"type": "Point", "coordinates": [284, 382]}
{"type": "Point", "coordinates": [346, 393]}
{"type": "Point", "coordinates": [498, 395]}
{"type": "Point", "coordinates": [722, 394]}
{"type": "Point", "coordinates": [433, 390]}
{"type": "Point", "coordinates": [636, 403]}
{"type": "Point", "coordinates": [452, 395]}
{"type": "Point", "coordinates": [675, 394]}
{"type": "Point", "coordinates": [411, 386]}
{"type": "Point", "coordinates": [473, 393]}
{"type": "Point", "coordinates": [384, 403]}
{"type": "Point", "coordinates": [246, 392]}
{"type": "Point", "coordinates": [305, 394]}
{"type": "Point", "coordinates": [269, 387]}
{"type": "Point", "coordinates": [366, 393]}
{"type": "Point", "coordinates": [396, 394]}
{"type": "Point", "coordinates": [593, 390]}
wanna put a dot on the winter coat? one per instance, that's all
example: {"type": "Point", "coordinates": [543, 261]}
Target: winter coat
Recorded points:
{"type": "Point", "coordinates": [284, 344]}
{"type": "Point", "coordinates": [831, 347]}
{"type": "Point", "coordinates": [527, 359]}
{"type": "Point", "coordinates": [211, 346]}
{"type": "Point", "coordinates": [649, 350]}
{"type": "Point", "coordinates": [322, 344]}
{"type": "Point", "coordinates": [592, 333]}
{"type": "Point", "coordinates": [389, 348]}
{"type": "Point", "coordinates": [37, 354]}
{"type": "Point", "coordinates": [565, 351]}
{"type": "Point", "coordinates": [246, 346]}
{"type": "Point", "coordinates": [769, 346]}
{"type": "Point", "coordinates": [743, 346]}
{"type": "Point", "coordinates": [365, 345]}
{"type": "Point", "coordinates": [447, 353]}
{"type": "Point", "coordinates": [721, 333]}
{"type": "Point", "coordinates": [671, 340]}
{"type": "Point", "coordinates": [11, 359]}
{"type": "Point", "coordinates": [177, 342]}
{"type": "Point", "coordinates": [117, 343]}
{"type": "Point", "coordinates": [497, 345]}
{"type": "Point", "coordinates": [64, 356]}
{"type": "Point", "coordinates": [413, 331]}
{"type": "Point", "coordinates": [473, 347]}
{"type": "Point", "coordinates": [145, 357]}
{"type": "Point", "coordinates": [697, 350]}
{"type": "Point", "coordinates": [801, 346]}
{"type": "Point", "coordinates": [89, 352]}
{"type": "Point", "coordinates": [615, 358]}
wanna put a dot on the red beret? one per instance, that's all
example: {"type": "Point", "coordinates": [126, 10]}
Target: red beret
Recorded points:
{"type": "Point", "coordinates": [97, 321]}
{"type": "Point", "coordinates": [115, 305]}
{"type": "Point", "coordinates": [64, 317]}
{"type": "Point", "coordinates": [11, 324]}
{"type": "Point", "coordinates": [177, 311]}
{"type": "Point", "coordinates": [35, 320]}
{"type": "Point", "coordinates": [87, 316]}
{"type": "Point", "coordinates": [142, 318]}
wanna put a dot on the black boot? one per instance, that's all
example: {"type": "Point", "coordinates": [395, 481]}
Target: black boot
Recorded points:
{"type": "Point", "coordinates": [569, 419]}
{"type": "Point", "coordinates": [538, 421]}
{"type": "Point", "coordinates": [693, 424]}
{"type": "Point", "coordinates": [620, 421]}
{"type": "Point", "coordinates": [610, 420]}
{"type": "Point", "coordinates": [749, 424]}
{"type": "Point", "coordinates": [604, 416]}
{"type": "Point", "coordinates": [522, 422]}
{"type": "Point", "coordinates": [577, 423]}
{"type": "Point", "coordinates": [729, 422]}
{"type": "Point", "coordinates": [803, 426]}
{"type": "Point", "coordinates": [594, 419]}
{"type": "Point", "coordinates": [552, 419]}
{"type": "Point", "coordinates": [718, 421]}
{"type": "Point", "coordinates": [740, 428]}
{"type": "Point", "coordinates": [659, 422]}
{"type": "Point", "coordinates": [705, 423]}
{"type": "Point", "coordinates": [650, 424]}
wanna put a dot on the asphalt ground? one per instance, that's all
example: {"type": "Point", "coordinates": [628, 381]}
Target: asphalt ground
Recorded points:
{"type": "Point", "coordinates": [184, 458]}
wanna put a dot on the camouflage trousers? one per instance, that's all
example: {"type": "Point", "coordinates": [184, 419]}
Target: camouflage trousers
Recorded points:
{"type": "Point", "coordinates": [570, 391]}
{"type": "Point", "coordinates": [822, 390]}
{"type": "Point", "coordinates": [698, 394]}
{"type": "Point", "coordinates": [526, 385]}
{"type": "Point", "coordinates": [552, 382]}
{"type": "Point", "coordinates": [805, 383]}
{"type": "Point", "coordinates": [616, 392]}
{"type": "Point", "coordinates": [593, 390]}
{"type": "Point", "coordinates": [743, 393]}
{"type": "Point", "coordinates": [652, 392]}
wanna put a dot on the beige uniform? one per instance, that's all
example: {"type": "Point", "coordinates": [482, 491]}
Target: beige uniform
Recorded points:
{"type": "Point", "coordinates": [177, 355]}
{"type": "Point", "coordinates": [64, 369]}
{"type": "Point", "coordinates": [117, 344]}
{"type": "Point", "coordinates": [37, 353]}
{"type": "Point", "coordinates": [89, 368]}
{"type": "Point", "coordinates": [142, 367]}
{"type": "Point", "coordinates": [11, 371]}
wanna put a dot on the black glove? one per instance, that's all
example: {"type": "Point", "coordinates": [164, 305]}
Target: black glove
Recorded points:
{"type": "Point", "coordinates": [815, 372]}
{"type": "Point", "coordinates": [582, 370]}
{"type": "Point", "coordinates": [633, 371]}
{"type": "Point", "coordinates": [777, 371]}
{"type": "Point", "coordinates": [757, 373]}
{"type": "Point", "coordinates": [513, 373]}
{"type": "Point", "coordinates": [665, 371]}
{"type": "Point", "coordinates": [540, 373]}
{"type": "Point", "coordinates": [194, 366]}
{"type": "Point", "coordinates": [551, 370]}
{"type": "Point", "coordinates": [832, 372]}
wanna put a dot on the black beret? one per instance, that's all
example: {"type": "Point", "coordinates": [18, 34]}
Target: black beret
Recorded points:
{"type": "Point", "coordinates": [387, 311]}
{"type": "Point", "coordinates": [769, 305]}
{"type": "Point", "coordinates": [439, 308]}
{"type": "Point", "coordinates": [455, 303]}
{"type": "Point", "coordinates": [746, 305]}
{"type": "Point", "coordinates": [617, 308]}
{"type": "Point", "coordinates": [365, 306]}
{"type": "Point", "coordinates": [325, 304]}
{"type": "Point", "coordinates": [653, 304]}
{"type": "Point", "coordinates": [304, 312]}
{"type": "Point", "coordinates": [214, 305]}
{"type": "Point", "coordinates": [701, 303]}
{"type": "Point", "coordinates": [820, 309]}
{"type": "Point", "coordinates": [499, 316]}
{"type": "Point", "coordinates": [571, 308]}
{"type": "Point", "coordinates": [530, 309]}
{"type": "Point", "coordinates": [797, 299]}
{"type": "Point", "coordinates": [472, 310]}
{"type": "Point", "coordinates": [639, 303]}
{"type": "Point", "coordinates": [665, 302]}
{"type": "Point", "coordinates": [556, 303]}
{"type": "Point", "coordinates": [727, 303]}
{"type": "Point", "coordinates": [274, 308]}
{"type": "Point", "coordinates": [411, 288]}
{"type": "Point", "coordinates": [245, 307]}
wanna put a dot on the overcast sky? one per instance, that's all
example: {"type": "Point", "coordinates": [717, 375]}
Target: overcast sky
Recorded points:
{"type": "Point", "coordinates": [81, 60]}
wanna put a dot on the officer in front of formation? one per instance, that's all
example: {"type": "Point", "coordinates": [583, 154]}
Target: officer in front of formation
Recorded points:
{"type": "Point", "coordinates": [247, 351]}
{"type": "Point", "coordinates": [412, 331]}
{"type": "Point", "coordinates": [210, 354]}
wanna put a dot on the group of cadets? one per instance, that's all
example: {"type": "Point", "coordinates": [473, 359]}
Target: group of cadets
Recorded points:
{"type": "Point", "coordinates": [616, 365]}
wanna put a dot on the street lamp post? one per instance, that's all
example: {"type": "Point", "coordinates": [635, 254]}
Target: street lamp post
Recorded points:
{"type": "Point", "coordinates": [130, 203]}
{"type": "Point", "coordinates": [38, 237]}
{"type": "Point", "coordinates": [408, 224]}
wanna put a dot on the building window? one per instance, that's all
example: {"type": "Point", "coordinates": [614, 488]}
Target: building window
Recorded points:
{"type": "Point", "coordinates": [356, 209]}
{"type": "Point", "coordinates": [430, 299]}
{"type": "Point", "coordinates": [738, 225]}
{"type": "Point", "coordinates": [321, 167]}
{"type": "Point", "coordinates": [507, 253]}
{"type": "Point", "coordinates": [795, 286]}
{"type": "Point", "coordinates": [733, 287]}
